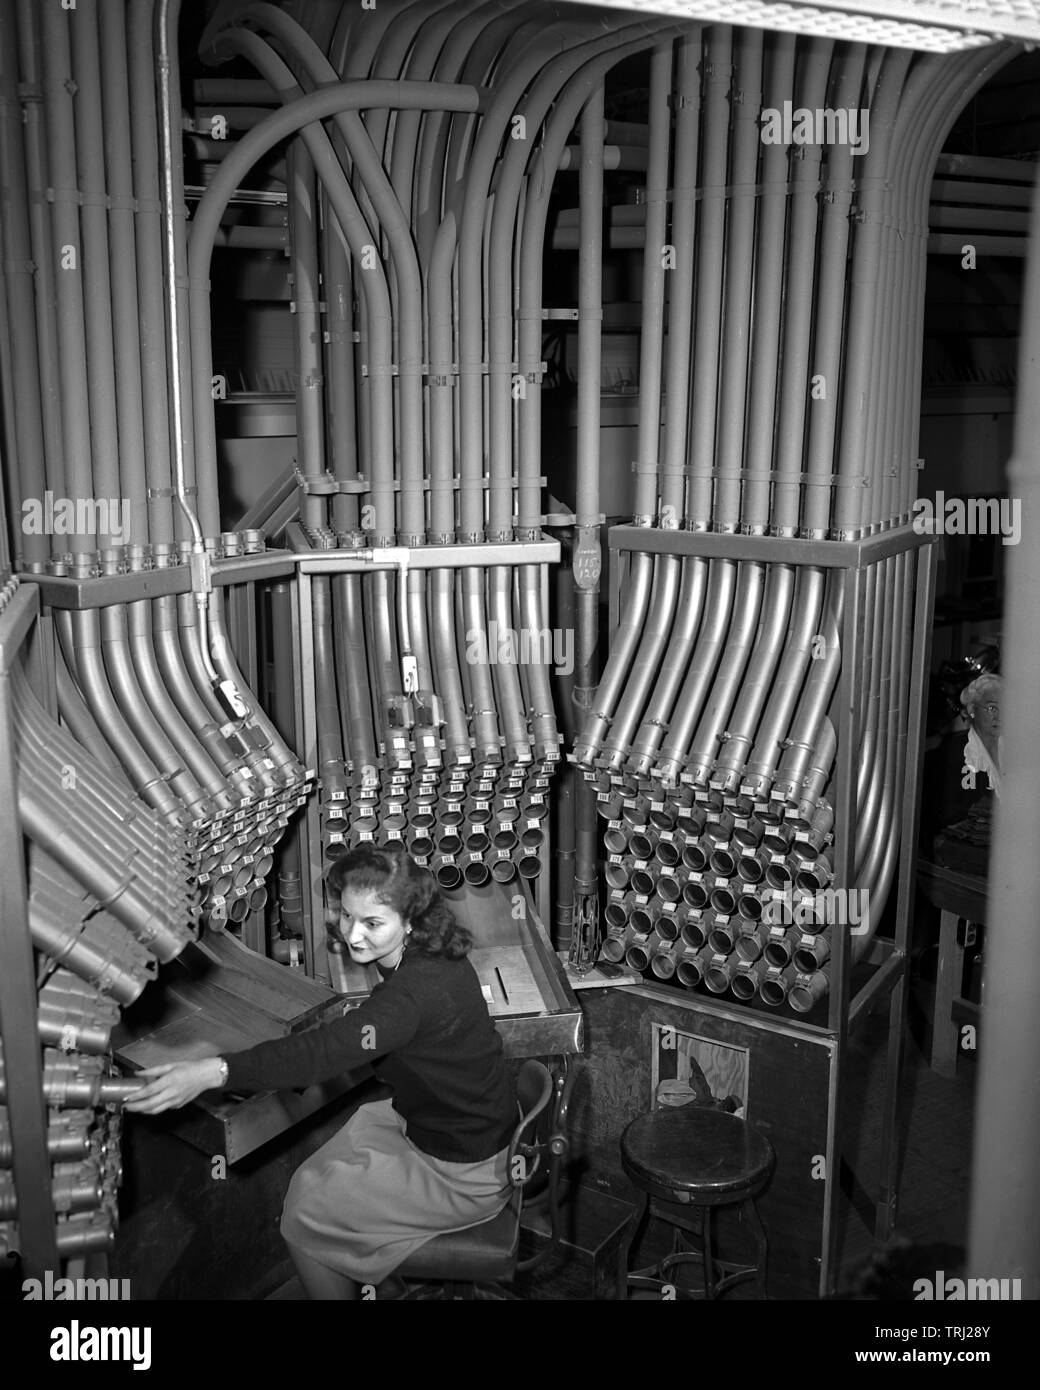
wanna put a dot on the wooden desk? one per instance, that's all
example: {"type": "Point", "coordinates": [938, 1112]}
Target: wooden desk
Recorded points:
{"type": "Point", "coordinates": [959, 897]}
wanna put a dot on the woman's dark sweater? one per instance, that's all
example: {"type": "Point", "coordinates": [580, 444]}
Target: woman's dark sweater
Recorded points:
{"type": "Point", "coordinates": [425, 1030]}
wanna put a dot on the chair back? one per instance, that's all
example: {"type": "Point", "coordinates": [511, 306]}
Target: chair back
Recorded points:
{"type": "Point", "coordinates": [534, 1088]}
{"type": "Point", "coordinates": [539, 1146]}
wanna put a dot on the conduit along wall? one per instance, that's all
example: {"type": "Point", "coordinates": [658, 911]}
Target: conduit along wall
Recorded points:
{"type": "Point", "coordinates": [417, 215]}
{"type": "Point", "coordinates": [748, 740]}
{"type": "Point", "coordinates": [768, 577]}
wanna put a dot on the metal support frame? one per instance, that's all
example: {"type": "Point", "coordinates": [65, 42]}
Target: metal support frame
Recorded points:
{"type": "Point", "coordinates": [23, 1057]}
{"type": "Point", "coordinates": [241, 606]}
{"type": "Point", "coordinates": [60, 592]}
{"type": "Point", "coordinates": [845, 1009]}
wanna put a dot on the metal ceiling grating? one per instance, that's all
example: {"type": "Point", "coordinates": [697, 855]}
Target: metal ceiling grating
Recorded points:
{"type": "Point", "coordinates": [931, 26]}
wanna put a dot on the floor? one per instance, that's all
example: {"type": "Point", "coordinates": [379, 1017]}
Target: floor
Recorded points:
{"type": "Point", "coordinates": [935, 1176]}
{"type": "Point", "coordinates": [934, 1184]}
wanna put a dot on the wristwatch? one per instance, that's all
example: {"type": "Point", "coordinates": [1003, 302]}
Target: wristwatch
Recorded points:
{"type": "Point", "coordinates": [223, 1071]}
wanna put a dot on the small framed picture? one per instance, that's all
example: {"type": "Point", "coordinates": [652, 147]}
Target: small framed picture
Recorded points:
{"type": "Point", "coordinates": [686, 1068]}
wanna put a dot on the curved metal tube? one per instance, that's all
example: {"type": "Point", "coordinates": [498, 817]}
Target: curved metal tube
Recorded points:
{"type": "Point", "coordinates": [747, 604]}
{"type": "Point", "coordinates": [718, 610]}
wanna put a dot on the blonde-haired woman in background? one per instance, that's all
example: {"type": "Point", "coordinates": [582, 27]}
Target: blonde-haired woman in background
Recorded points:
{"type": "Point", "coordinates": [983, 751]}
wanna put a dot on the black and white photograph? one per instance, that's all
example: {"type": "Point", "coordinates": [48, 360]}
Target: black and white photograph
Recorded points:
{"type": "Point", "coordinates": [519, 672]}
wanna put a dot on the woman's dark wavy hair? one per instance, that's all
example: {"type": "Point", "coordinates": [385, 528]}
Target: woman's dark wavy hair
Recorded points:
{"type": "Point", "coordinates": [399, 883]}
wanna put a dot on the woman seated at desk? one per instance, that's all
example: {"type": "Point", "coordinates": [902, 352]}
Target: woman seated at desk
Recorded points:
{"type": "Point", "coordinates": [432, 1160]}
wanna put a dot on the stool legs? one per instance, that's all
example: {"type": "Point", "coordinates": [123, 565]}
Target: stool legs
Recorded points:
{"type": "Point", "coordinates": [636, 1233]}
{"type": "Point", "coordinates": [762, 1244]}
{"type": "Point", "coordinates": [709, 1269]}
{"type": "Point", "coordinates": [658, 1275]}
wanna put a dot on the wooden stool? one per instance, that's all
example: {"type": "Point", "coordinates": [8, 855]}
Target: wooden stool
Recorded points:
{"type": "Point", "coordinates": [694, 1159]}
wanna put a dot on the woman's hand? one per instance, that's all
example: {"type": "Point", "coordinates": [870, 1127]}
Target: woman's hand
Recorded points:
{"type": "Point", "coordinates": [174, 1084]}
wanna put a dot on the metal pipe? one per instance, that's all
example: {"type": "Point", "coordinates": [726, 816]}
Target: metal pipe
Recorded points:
{"type": "Point", "coordinates": [696, 686]}
{"type": "Point", "coordinates": [707, 328]}
{"type": "Point", "coordinates": [86, 653]}
{"type": "Point", "coordinates": [97, 280]}
{"type": "Point", "coordinates": [736, 314]}
{"type": "Point", "coordinates": [138, 713]}
{"type": "Point", "coordinates": [74, 401]}
{"type": "Point", "coordinates": [46, 262]}
{"type": "Point", "coordinates": [181, 406]}
{"type": "Point", "coordinates": [767, 307]}
{"type": "Point", "coordinates": [24, 446]}
{"type": "Point", "coordinates": [700, 760]}
{"type": "Point", "coordinates": [802, 235]}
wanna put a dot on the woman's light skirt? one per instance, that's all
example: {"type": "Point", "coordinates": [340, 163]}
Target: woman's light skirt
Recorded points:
{"type": "Point", "coordinates": [363, 1202]}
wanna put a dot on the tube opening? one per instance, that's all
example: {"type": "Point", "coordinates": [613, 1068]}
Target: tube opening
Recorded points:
{"type": "Point", "coordinates": [669, 890]}
{"type": "Point", "coordinates": [617, 876]}
{"type": "Point", "coordinates": [778, 875]}
{"type": "Point", "coordinates": [694, 858]}
{"type": "Point", "coordinates": [750, 870]}
{"type": "Point", "coordinates": [720, 940]}
{"type": "Point", "coordinates": [717, 979]}
{"type": "Point", "coordinates": [693, 934]}
{"type": "Point", "coordinates": [772, 992]}
{"type": "Point", "coordinates": [642, 882]}
{"type": "Point", "coordinates": [777, 953]}
{"type": "Point", "coordinates": [637, 957]}
{"type": "Point", "coordinates": [688, 973]}
{"type": "Point", "coordinates": [723, 901]}
{"type": "Point", "coordinates": [615, 841]}
{"type": "Point", "coordinates": [723, 864]}
{"type": "Point", "coordinates": [667, 853]}
{"type": "Point", "coordinates": [695, 895]}
{"type": "Point", "coordinates": [641, 846]}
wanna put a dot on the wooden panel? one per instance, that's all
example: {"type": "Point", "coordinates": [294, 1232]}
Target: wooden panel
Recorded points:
{"type": "Point", "coordinates": [505, 973]}
{"type": "Point", "coordinates": [787, 1100]}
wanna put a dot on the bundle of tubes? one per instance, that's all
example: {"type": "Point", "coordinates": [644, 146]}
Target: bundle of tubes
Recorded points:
{"type": "Point", "coordinates": [103, 473]}
{"type": "Point", "coordinates": [113, 894]}
{"type": "Point", "coordinates": [425, 199]}
{"type": "Point", "coordinates": [83, 1121]}
{"type": "Point", "coordinates": [156, 802]}
{"type": "Point", "coordinates": [792, 290]}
